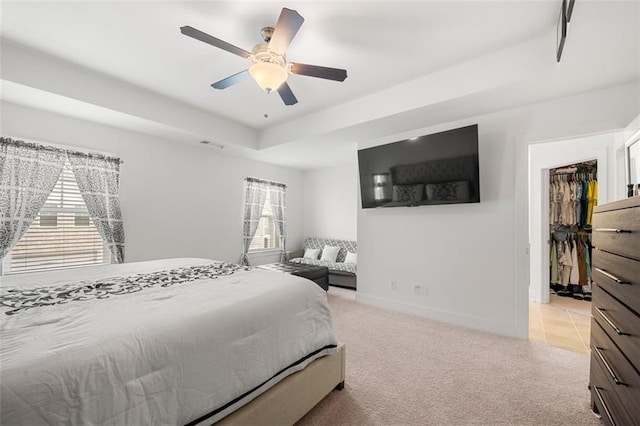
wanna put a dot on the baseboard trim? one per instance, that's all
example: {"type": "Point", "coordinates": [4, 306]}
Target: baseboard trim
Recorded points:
{"type": "Point", "coordinates": [476, 323]}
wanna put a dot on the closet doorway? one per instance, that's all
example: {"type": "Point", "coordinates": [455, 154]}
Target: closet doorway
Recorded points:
{"type": "Point", "coordinates": [565, 321]}
{"type": "Point", "coordinates": [545, 157]}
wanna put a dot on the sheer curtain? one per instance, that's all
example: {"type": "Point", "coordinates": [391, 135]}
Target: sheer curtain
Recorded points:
{"type": "Point", "coordinates": [255, 196]}
{"type": "Point", "coordinates": [98, 179]}
{"type": "Point", "coordinates": [28, 173]}
{"type": "Point", "coordinates": [276, 195]}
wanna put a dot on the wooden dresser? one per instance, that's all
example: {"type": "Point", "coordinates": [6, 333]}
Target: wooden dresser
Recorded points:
{"type": "Point", "coordinates": [615, 323]}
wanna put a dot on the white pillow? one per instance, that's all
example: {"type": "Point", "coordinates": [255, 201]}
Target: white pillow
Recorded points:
{"type": "Point", "coordinates": [329, 253]}
{"type": "Point", "coordinates": [311, 254]}
{"type": "Point", "coordinates": [351, 258]}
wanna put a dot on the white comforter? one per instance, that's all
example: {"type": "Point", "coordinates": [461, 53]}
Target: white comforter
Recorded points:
{"type": "Point", "coordinates": [160, 356]}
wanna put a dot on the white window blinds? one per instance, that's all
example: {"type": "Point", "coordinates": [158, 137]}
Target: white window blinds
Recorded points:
{"type": "Point", "coordinates": [62, 236]}
{"type": "Point", "coordinates": [266, 235]}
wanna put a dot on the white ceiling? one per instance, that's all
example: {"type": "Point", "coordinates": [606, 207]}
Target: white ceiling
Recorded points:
{"type": "Point", "coordinates": [383, 45]}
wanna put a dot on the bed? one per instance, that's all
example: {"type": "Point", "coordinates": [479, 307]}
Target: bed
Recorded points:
{"type": "Point", "coordinates": [179, 341]}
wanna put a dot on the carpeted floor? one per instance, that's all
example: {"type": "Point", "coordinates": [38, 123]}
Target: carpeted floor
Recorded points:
{"type": "Point", "coordinates": [411, 371]}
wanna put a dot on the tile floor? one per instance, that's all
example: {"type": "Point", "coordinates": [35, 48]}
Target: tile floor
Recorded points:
{"type": "Point", "coordinates": [563, 323]}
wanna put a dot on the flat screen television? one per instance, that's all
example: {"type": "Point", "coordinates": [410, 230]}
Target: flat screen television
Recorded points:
{"type": "Point", "coordinates": [441, 168]}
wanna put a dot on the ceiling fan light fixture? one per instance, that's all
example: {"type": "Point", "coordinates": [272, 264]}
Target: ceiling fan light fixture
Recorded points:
{"type": "Point", "coordinates": [269, 66]}
{"type": "Point", "coordinates": [268, 75]}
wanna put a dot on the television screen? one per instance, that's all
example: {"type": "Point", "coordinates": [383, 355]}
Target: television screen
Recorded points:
{"type": "Point", "coordinates": [441, 168]}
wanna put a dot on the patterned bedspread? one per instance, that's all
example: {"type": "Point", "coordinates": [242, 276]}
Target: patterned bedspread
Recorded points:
{"type": "Point", "coordinates": [18, 298]}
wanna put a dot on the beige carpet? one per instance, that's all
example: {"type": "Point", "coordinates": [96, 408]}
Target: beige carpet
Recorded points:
{"type": "Point", "coordinates": [407, 370]}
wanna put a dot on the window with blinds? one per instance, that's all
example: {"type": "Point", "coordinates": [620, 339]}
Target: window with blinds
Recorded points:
{"type": "Point", "coordinates": [267, 235]}
{"type": "Point", "coordinates": [62, 236]}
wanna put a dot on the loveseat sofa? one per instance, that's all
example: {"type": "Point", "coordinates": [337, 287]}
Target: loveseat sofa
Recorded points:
{"type": "Point", "coordinates": [341, 273]}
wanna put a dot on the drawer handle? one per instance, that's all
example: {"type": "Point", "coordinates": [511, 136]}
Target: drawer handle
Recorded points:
{"type": "Point", "coordinates": [604, 406]}
{"type": "Point", "coordinates": [607, 366]}
{"type": "Point", "coordinates": [611, 324]}
{"type": "Point", "coordinates": [613, 277]}
{"type": "Point", "coordinates": [616, 230]}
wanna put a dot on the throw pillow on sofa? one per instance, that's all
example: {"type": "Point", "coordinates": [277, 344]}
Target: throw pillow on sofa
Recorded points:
{"type": "Point", "coordinates": [351, 258]}
{"type": "Point", "coordinates": [330, 253]}
{"type": "Point", "coordinates": [311, 254]}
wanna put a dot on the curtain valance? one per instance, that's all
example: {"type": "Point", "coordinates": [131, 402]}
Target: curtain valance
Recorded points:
{"type": "Point", "coordinates": [266, 182]}
{"type": "Point", "coordinates": [50, 148]}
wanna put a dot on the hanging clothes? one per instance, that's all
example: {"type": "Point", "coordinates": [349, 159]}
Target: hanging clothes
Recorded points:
{"type": "Point", "coordinates": [573, 193]}
{"type": "Point", "coordinates": [560, 266]}
{"type": "Point", "coordinates": [584, 204]}
{"type": "Point", "coordinates": [566, 264]}
{"type": "Point", "coordinates": [553, 203]}
{"type": "Point", "coordinates": [571, 202]}
{"type": "Point", "coordinates": [582, 264]}
{"type": "Point", "coordinates": [574, 278]}
{"type": "Point", "coordinates": [566, 204]}
{"type": "Point", "coordinates": [593, 200]}
{"type": "Point", "coordinates": [554, 263]}
{"type": "Point", "coordinates": [578, 202]}
{"type": "Point", "coordinates": [558, 202]}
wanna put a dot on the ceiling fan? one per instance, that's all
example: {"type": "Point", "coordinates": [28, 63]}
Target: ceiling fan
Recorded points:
{"type": "Point", "coordinates": [269, 66]}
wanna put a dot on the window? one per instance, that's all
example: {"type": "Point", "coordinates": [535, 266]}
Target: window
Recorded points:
{"type": "Point", "coordinates": [62, 236]}
{"type": "Point", "coordinates": [267, 235]}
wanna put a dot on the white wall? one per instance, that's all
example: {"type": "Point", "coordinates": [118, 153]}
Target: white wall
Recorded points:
{"type": "Point", "coordinates": [630, 135]}
{"type": "Point", "coordinates": [331, 201]}
{"type": "Point", "coordinates": [474, 258]}
{"type": "Point", "coordinates": [178, 199]}
{"type": "Point", "coordinates": [544, 156]}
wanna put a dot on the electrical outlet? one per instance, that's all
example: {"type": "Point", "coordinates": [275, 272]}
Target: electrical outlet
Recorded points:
{"type": "Point", "coordinates": [394, 285]}
{"type": "Point", "coordinates": [416, 288]}
{"type": "Point", "coordinates": [424, 290]}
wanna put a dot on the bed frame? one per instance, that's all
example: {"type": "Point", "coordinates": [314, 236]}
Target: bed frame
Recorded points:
{"type": "Point", "coordinates": [292, 398]}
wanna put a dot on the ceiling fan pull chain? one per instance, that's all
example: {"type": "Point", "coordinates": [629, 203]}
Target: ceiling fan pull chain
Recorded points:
{"type": "Point", "coordinates": [266, 105]}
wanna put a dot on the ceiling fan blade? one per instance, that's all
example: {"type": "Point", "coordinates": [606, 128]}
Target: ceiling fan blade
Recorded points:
{"type": "Point", "coordinates": [286, 28]}
{"type": "Point", "coordinates": [231, 80]}
{"type": "Point", "coordinates": [320, 72]}
{"type": "Point", "coordinates": [287, 95]}
{"type": "Point", "coordinates": [204, 37]}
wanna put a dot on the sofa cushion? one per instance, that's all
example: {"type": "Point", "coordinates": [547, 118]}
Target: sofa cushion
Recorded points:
{"type": "Point", "coordinates": [351, 258]}
{"type": "Point", "coordinates": [329, 253]}
{"type": "Point", "coordinates": [311, 253]}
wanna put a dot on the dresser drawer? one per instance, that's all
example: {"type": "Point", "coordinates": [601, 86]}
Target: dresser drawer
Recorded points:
{"type": "Point", "coordinates": [621, 375]}
{"type": "Point", "coordinates": [618, 231]}
{"type": "Point", "coordinates": [605, 397]}
{"type": "Point", "coordinates": [618, 275]}
{"type": "Point", "coordinates": [620, 323]}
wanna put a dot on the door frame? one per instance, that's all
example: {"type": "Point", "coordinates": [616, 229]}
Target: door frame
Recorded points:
{"type": "Point", "coordinates": [542, 158]}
